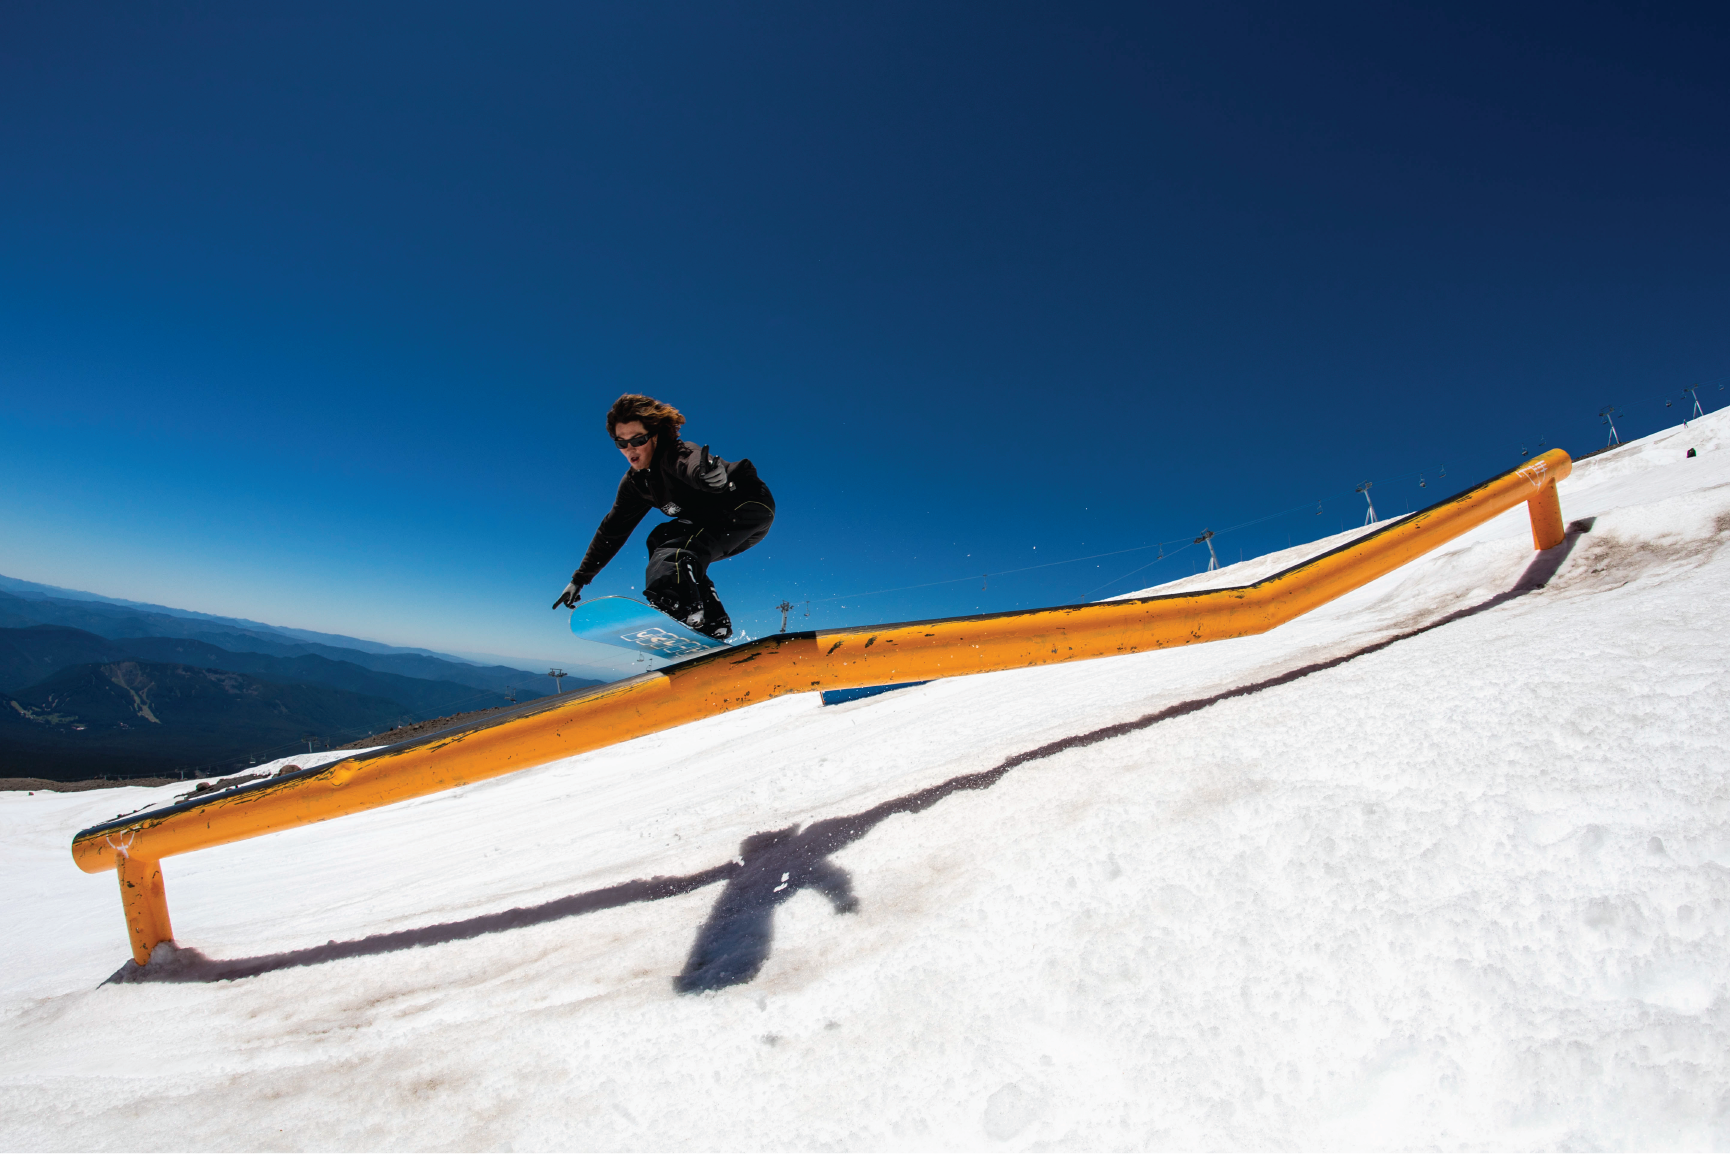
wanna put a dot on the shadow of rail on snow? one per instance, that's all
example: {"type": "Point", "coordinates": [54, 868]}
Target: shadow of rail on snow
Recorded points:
{"type": "Point", "coordinates": [735, 940]}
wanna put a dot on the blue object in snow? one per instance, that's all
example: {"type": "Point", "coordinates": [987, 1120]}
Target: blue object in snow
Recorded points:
{"type": "Point", "coordinates": [837, 696]}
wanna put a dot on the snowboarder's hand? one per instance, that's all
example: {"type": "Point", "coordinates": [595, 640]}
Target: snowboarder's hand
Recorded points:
{"type": "Point", "coordinates": [573, 593]}
{"type": "Point", "coordinates": [711, 471]}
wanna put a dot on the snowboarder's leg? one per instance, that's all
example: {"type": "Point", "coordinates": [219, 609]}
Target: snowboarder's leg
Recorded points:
{"type": "Point", "coordinates": [673, 581]}
{"type": "Point", "coordinates": [748, 525]}
{"type": "Point", "coordinates": [681, 551]}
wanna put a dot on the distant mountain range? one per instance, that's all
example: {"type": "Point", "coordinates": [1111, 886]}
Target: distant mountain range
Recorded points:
{"type": "Point", "coordinates": [30, 656]}
{"type": "Point", "coordinates": [115, 620]}
{"type": "Point", "coordinates": [36, 591]}
{"type": "Point", "coordinates": [141, 719]}
{"type": "Point", "coordinates": [96, 686]}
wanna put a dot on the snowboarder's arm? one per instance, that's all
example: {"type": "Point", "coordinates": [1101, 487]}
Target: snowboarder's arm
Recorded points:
{"type": "Point", "coordinates": [628, 510]}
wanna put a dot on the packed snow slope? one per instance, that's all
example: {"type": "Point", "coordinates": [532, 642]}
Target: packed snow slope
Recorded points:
{"type": "Point", "coordinates": [1445, 863]}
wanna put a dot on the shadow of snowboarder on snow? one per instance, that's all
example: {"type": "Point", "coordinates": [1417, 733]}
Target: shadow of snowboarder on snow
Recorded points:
{"type": "Point", "coordinates": [734, 942]}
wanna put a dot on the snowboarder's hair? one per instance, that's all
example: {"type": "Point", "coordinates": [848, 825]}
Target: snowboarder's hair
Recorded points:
{"type": "Point", "coordinates": [657, 417]}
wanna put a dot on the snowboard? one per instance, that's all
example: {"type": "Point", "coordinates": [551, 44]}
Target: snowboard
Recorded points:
{"type": "Point", "coordinates": [629, 624]}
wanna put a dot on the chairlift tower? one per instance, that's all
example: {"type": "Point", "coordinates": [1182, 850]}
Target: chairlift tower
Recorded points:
{"type": "Point", "coordinates": [1694, 391]}
{"type": "Point", "coordinates": [1370, 517]}
{"type": "Point", "coordinates": [558, 683]}
{"type": "Point", "coordinates": [1608, 412]}
{"type": "Point", "coordinates": [1212, 557]}
{"type": "Point", "coordinates": [785, 607]}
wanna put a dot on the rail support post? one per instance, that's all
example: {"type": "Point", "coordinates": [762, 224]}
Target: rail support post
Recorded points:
{"type": "Point", "coordinates": [146, 904]}
{"type": "Point", "coordinates": [1545, 509]}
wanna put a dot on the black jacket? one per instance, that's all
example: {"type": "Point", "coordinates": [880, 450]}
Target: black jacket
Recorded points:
{"type": "Point", "coordinates": [669, 484]}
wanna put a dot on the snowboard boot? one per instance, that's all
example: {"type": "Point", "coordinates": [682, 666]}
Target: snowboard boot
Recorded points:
{"type": "Point", "coordinates": [680, 597]}
{"type": "Point", "coordinates": [715, 624]}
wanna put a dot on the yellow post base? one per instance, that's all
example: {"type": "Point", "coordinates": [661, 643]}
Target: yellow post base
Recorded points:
{"type": "Point", "coordinates": [146, 905]}
{"type": "Point", "coordinates": [1546, 512]}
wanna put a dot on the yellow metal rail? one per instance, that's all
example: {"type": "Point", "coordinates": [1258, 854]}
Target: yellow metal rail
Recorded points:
{"type": "Point", "coordinates": [726, 679]}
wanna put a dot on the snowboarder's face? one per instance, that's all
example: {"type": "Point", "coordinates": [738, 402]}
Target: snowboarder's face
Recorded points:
{"type": "Point", "coordinates": [638, 455]}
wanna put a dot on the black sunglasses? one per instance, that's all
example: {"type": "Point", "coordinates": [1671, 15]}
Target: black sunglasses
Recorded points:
{"type": "Point", "coordinates": [635, 442]}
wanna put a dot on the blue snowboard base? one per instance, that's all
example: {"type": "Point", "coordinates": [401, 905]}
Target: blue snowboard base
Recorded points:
{"type": "Point", "coordinates": [628, 624]}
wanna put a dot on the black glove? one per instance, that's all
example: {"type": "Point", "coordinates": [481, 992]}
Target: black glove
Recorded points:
{"type": "Point", "coordinates": [712, 471]}
{"type": "Point", "coordinates": [573, 593]}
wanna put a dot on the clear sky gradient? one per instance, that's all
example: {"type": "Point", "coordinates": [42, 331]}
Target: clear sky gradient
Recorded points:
{"type": "Point", "coordinates": [310, 313]}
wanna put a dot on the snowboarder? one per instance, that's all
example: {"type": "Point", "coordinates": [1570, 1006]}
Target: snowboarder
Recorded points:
{"type": "Point", "coordinates": [719, 509]}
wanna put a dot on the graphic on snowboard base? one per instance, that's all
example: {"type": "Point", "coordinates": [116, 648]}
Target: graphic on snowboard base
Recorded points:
{"type": "Point", "coordinates": [629, 624]}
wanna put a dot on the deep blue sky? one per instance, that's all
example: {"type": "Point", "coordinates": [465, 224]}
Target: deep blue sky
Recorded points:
{"type": "Point", "coordinates": [310, 313]}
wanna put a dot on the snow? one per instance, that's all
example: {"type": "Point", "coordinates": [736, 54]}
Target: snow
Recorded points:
{"type": "Point", "coordinates": [1444, 863]}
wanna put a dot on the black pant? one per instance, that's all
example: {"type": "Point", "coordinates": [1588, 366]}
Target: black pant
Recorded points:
{"type": "Point", "coordinates": [681, 550]}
